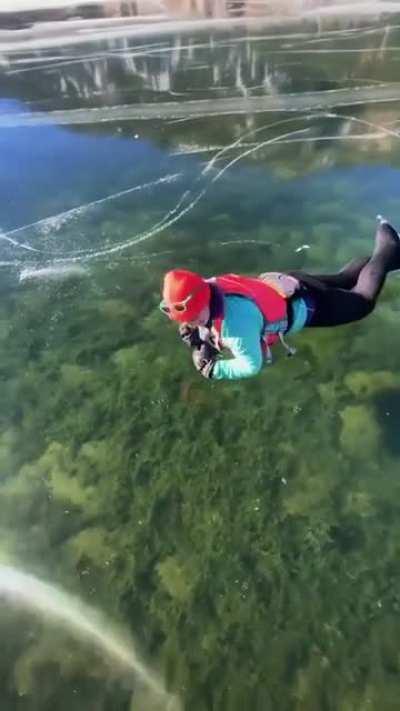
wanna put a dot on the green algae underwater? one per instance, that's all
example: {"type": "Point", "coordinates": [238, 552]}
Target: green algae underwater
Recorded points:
{"type": "Point", "coordinates": [247, 534]}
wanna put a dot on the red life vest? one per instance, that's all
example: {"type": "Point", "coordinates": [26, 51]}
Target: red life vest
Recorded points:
{"type": "Point", "coordinates": [271, 302]}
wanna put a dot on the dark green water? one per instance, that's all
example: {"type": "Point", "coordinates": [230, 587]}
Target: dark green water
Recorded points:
{"type": "Point", "coordinates": [248, 533]}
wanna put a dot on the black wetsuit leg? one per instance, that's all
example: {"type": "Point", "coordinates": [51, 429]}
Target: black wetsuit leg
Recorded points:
{"type": "Point", "coordinates": [333, 306]}
{"type": "Point", "coordinates": [345, 279]}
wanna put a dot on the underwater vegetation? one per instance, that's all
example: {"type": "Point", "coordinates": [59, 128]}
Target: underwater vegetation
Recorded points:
{"type": "Point", "coordinates": [246, 533]}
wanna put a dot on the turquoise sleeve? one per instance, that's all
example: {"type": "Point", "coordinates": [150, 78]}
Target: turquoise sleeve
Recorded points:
{"type": "Point", "coordinates": [300, 314]}
{"type": "Point", "coordinates": [241, 334]}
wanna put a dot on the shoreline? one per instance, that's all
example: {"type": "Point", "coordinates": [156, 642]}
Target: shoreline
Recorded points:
{"type": "Point", "coordinates": [78, 29]}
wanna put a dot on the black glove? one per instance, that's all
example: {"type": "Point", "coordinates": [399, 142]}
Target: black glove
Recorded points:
{"type": "Point", "coordinates": [190, 336]}
{"type": "Point", "coordinates": [204, 359]}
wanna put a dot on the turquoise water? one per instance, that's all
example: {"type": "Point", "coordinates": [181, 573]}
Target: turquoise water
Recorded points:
{"type": "Point", "coordinates": [246, 534]}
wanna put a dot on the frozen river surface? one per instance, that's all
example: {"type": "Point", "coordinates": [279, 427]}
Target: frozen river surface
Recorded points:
{"type": "Point", "coordinates": [239, 543]}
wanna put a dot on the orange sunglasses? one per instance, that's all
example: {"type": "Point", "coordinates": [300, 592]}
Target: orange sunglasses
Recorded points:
{"type": "Point", "coordinates": [179, 306]}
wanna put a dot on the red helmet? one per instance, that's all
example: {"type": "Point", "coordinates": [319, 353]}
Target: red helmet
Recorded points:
{"type": "Point", "coordinates": [185, 295]}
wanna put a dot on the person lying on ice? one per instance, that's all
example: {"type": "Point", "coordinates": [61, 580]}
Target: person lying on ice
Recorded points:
{"type": "Point", "coordinates": [248, 315]}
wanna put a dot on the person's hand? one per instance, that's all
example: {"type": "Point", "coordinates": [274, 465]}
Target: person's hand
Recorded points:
{"type": "Point", "coordinates": [204, 359]}
{"type": "Point", "coordinates": [190, 336]}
